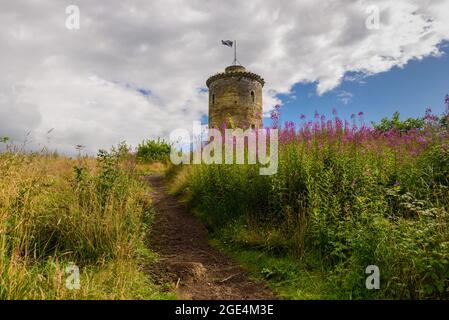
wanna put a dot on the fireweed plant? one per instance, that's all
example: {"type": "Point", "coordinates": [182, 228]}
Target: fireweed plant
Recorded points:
{"type": "Point", "coordinates": [345, 196]}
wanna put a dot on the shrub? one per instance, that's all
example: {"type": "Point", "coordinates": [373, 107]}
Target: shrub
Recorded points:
{"type": "Point", "coordinates": [396, 124]}
{"type": "Point", "coordinates": [153, 150]}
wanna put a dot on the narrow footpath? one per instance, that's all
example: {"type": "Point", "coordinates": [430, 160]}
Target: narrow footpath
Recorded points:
{"type": "Point", "coordinates": [196, 270]}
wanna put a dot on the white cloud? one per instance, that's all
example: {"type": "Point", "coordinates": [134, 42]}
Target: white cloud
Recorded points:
{"type": "Point", "coordinates": [85, 83]}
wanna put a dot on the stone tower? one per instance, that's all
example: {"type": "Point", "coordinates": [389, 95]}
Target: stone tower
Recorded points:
{"type": "Point", "coordinates": [235, 99]}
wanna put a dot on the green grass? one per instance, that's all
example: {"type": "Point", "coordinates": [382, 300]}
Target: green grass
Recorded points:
{"type": "Point", "coordinates": [94, 213]}
{"type": "Point", "coordinates": [265, 256]}
{"type": "Point", "coordinates": [339, 202]}
{"type": "Point", "coordinates": [283, 275]}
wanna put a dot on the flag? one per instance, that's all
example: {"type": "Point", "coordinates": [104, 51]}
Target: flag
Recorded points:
{"type": "Point", "coordinates": [228, 43]}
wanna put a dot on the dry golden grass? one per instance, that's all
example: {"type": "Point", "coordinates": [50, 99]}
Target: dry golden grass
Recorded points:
{"type": "Point", "coordinates": [91, 212]}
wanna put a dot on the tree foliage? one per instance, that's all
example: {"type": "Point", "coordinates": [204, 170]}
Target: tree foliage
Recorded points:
{"type": "Point", "coordinates": [153, 150]}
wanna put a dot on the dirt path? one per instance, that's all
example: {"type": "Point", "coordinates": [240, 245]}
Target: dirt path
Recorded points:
{"type": "Point", "coordinates": [197, 270]}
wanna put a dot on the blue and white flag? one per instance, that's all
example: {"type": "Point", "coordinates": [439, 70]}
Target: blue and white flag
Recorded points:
{"type": "Point", "coordinates": [228, 43]}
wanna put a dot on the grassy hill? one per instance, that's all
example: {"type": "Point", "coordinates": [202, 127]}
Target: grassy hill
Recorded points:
{"type": "Point", "coordinates": [57, 213]}
{"type": "Point", "coordinates": [345, 197]}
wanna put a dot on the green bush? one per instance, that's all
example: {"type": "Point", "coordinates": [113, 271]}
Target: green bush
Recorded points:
{"type": "Point", "coordinates": [153, 150]}
{"type": "Point", "coordinates": [396, 124]}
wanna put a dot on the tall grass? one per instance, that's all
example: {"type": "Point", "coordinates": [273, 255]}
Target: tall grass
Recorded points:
{"type": "Point", "coordinates": [345, 196]}
{"type": "Point", "coordinates": [56, 211]}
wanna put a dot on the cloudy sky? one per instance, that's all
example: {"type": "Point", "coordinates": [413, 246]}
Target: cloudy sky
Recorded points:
{"type": "Point", "coordinates": [137, 69]}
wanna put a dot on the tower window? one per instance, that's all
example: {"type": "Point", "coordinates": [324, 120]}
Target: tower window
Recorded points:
{"type": "Point", "coordinates": [253, 98]}
{"type": "Point", "coordinates": [213, 99]}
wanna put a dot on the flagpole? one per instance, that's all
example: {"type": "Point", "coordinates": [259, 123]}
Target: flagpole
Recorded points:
{"type": "Point", "coordinates": [235, 52]}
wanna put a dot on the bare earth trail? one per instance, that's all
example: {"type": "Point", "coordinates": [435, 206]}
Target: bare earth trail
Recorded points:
{"type": "Point", "coordinates": [197, 270]}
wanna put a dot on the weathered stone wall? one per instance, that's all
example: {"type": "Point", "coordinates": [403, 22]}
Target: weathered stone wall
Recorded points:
{"type": "Point", "coordinates": [235, 96]}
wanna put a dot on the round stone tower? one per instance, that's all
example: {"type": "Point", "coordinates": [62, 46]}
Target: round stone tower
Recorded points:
{"type": "Point", "coordinates": [235, 99]}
